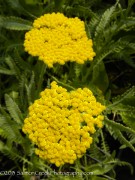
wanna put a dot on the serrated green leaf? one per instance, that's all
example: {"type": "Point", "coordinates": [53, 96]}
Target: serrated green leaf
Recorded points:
{"type": "Point", "coordinates": [127, 23]}
{"type": "Point", "coordinates": [128, 119]}
{"type": "Point", "coordinates": [6, 71]}
{"type": "Point", "coordinates": [15, 23]}
{"type": "Point", "coordinates": [120, 98]}
{"type": "Point", "coordinates": [119, 126]}
{"type": "Point", "coordinates": [16, 5]}
{"type": "Point", "coordinates": [124, 140]}
{"type": "Point", "coordinates": [92, 26]}
{"type": "Point", "coordinates": [100, 169]}
{"type": "Point", "coordinates": [20, 62]}
{"type": "Point", "coordinates": [105, 19]}
{"type": "Point", "coordinates": [13, 109]}
{"type": "Point", "coordinates": [12, 153]}
{"type": "Point", "coordinates": [10, 130]}
{"type": "Point", "coordinates": [116, 129]}
{"type": "Point", "coordinates": [7, 130]}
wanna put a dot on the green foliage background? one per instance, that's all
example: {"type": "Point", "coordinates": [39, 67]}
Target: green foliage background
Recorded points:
{"type": "Point", "coordinates": [111, 26]}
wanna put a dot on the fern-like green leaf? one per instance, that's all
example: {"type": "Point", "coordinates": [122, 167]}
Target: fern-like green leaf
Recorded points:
{"type": "Point", "coordinates": [104, 21]}
{"type": "Point", "coordinates": [117, 162]}
{"type": "Point", "coordinates": [132, 141]}
{"type": "Point", "coordinates": [119, 126]}
{"type": "Point", "coordinates": [10, 130]}
{"type": "Point", "coordinates": [128, 94]}
{"type": "Point", "coordinates": [99, 168]}
{"type": "Point", "coordinates": [92, 26]}
{"type": "Point", "coordinates": [6, 71]}
{"type": "Point", "coordinates": [104, 145]}
{"type": "Point", "coordinates": [95, 153]}
{"type": "Point", "coordinates": [129, 22]}
{"type": "Point", "coordinates": [13, 66]}
{"type": "Point", "coordinates": [16, 5]}
{"type": "Point", "coordinates": [15, 23]}
{"type": "Point", "coordinates": [13, 109]}
{"type": "Point", "coordinates": [123, 140]}
{"type": "Point", "coordinates": [12, 153]}
{"type": "Point", "coordinates": [114, 47]}
{"type": "Point", "coordinates": [116, 129]}
{"type": "Point", "coordinates": [20, 62]}
{"type": "Point", "coordinates": [128, 119]}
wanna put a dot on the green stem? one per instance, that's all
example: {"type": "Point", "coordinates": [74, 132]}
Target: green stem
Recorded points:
{"type": "Point", "coordinates": [88, 73]}
{"type": "Point", "coordinates": [66, 85]}
{"type": "Point", "coordinates": [41, 78]}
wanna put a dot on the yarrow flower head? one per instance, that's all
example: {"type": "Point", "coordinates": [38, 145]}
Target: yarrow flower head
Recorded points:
{"type": "Point", "coordinates": [56, 38]}
{"type": "Point", "coordinates": [61, 123]}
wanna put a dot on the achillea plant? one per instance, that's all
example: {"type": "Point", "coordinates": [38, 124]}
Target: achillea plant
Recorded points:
{"type": "Point", "coordinates": [55, 38]}
{"type": "Point", "coordinates": [61, 123]}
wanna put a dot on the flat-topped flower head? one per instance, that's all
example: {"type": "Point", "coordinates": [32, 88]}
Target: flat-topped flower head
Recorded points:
{"type": "Point", "coordinates": [56, 38]}
{"type": "Point", "coordinates": [61, 123]}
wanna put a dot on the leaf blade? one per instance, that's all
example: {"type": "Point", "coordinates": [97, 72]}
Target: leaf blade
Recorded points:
{"type": "Point", "coordinates": [15, 23]}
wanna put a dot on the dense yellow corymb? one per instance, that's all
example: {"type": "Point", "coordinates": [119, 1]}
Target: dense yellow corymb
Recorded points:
{"type": "Point", "coordinates": [55, 38]}
{"type": "Point", "coordinates": [60, 123]}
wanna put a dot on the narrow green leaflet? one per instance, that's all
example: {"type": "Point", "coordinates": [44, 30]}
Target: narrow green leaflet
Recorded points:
{"type": "Point", "coordinates": [15, 23]}
{"type": "Point", "coordinates": [13, 109]}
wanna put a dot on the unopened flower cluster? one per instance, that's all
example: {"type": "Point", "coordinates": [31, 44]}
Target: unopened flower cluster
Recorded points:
{"type": "Point", "coordinates": [56, 38]}
{"type": "Point", "coordinates": [60, 123]}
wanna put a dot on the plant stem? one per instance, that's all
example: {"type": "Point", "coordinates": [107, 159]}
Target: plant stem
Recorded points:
{"type": "Point", "coordinates": [41, 78]}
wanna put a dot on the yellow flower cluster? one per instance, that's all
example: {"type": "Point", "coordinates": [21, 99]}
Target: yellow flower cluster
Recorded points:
{"type": "Point", "coordinates": [60, 123]}
{"type": "Point", "coordinates": [58, 39]}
